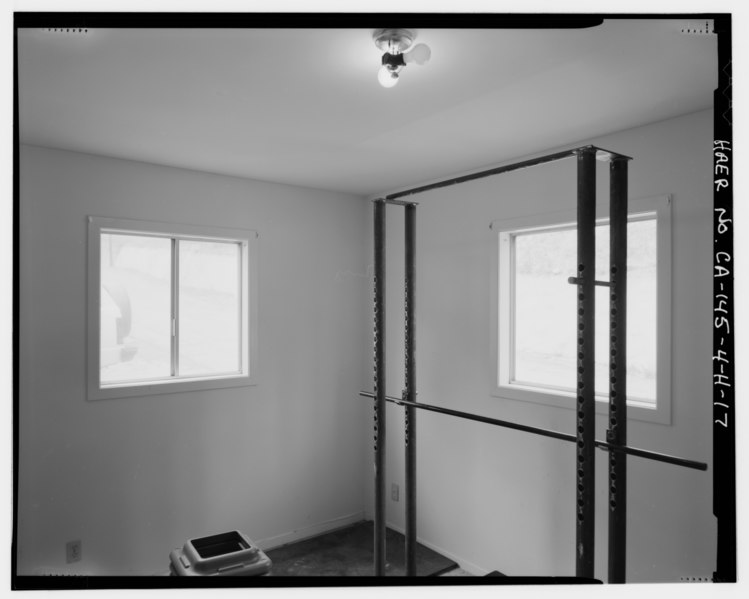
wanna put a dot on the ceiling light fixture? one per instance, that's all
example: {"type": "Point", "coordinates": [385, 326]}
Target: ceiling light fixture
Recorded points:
{"type": "Point", "coordinates": [396, 45]}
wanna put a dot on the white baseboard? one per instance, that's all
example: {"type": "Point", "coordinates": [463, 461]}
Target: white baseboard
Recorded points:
{"type": "Point", "coordinates": [463, 563]}
{"type": "Point", "coordinates": [309, 531]}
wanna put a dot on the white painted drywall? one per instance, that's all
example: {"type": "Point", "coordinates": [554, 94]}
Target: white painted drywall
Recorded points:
{"type": "Point", "coordinates": [496, 499]}
{"type": "Point", "coordinates": [134, 478]}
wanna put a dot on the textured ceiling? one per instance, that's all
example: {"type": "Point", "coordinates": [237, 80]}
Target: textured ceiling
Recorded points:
{"type": "Point", "coordinates": [303, 106]}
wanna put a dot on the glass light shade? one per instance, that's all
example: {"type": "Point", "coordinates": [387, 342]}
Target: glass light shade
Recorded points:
{"type": "Point", "coordinates": [386, 77]}
{"type": "Point", "coordinates": [420, 54]}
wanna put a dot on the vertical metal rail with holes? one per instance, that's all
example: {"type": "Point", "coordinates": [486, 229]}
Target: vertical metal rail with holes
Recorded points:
{"type": "Point", "coordinates": [379, 387]}
{"type": "Point", "coordinates": [409, 392]}
{"type": "Point", "coordinates": [586, 272]}
{"type": "Point", "coordinates": [616, 434]}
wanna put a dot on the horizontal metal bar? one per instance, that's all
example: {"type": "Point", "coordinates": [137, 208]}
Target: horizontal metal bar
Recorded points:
{"type": "Point", "coordinates": [579, 280]}
{"type": "Point", "coordinates": [642, 453]}
{"type": "Point", "coordinates": [401, 202]}
{"type": "Point", "coordinates": [477, 418]}
{"type": "Point", "coordinates": [482, 174]}
{"type": "Point", "coordinates": [600, 154]}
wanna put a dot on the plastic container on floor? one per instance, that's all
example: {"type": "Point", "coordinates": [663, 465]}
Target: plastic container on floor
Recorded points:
{"type": "Point", "coordinates": [226, 554]}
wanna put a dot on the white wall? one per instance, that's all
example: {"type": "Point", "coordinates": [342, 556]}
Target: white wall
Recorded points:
{"type": "Point", "coordinates": [134, 478]}
{"type": "Point", "coordinates": [504, 500]}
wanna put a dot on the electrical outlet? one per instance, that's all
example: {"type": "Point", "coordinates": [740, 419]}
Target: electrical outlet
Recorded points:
{"type": "Point", "coordinates": [73, 551]}
{"type": "Point", "coordinates": [394, 492]}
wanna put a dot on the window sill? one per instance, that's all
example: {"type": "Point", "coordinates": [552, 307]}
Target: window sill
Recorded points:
{"type": "Point", "coordinates": [169, 386]}
{"type": "Point", "coordinates": [566, 400]}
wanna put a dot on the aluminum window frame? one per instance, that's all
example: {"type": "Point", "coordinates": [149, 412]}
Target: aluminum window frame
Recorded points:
{"type": "Point", "coordinates": [248, 241]}
{"type": "Point", "coordinates": [502, 321]}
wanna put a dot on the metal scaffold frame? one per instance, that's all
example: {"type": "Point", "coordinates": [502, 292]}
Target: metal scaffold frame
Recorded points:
{"type": "Point", "coordinates": [584, 438]}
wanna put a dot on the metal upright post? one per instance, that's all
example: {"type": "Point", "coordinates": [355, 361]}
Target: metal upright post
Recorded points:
{"type": "Point", "coordinates": [379, 387]}
{"type": "Point", "coordinates": [586, 271]}
{"type": "Point", "coordinates": [617, 432]}
{"type": "Point", "coordinates": [410, 390]}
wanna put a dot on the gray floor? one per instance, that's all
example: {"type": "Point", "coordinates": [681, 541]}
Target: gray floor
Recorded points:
{"type": "Point", "coordinates": [349, 552]}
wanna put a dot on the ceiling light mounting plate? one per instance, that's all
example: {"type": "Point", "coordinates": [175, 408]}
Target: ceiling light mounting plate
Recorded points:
{"type": "Point", "coordinates": [393, 41]}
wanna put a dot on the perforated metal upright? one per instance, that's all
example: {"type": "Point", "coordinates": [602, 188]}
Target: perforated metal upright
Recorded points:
{"type": "Point", "coordinates": [409, 392]}
{"type": "Point", "coordinates": [616, 434]}
{"type": "Point", "coordinates": [379, 387]}
{"type": "Point", "coordinates": [586, 311]}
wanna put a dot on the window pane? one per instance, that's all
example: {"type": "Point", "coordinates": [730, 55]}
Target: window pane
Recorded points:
{"type": "Point", "coordinates": [642, 321]}
{"type": "Point", "coordinates": [545, 308]}
{"type": "Point", "coordinates": [209, 308]}
{"type": "Point", "coordinates": [546, 315]}
{"type": "Point", "coordinates": [135, 313]}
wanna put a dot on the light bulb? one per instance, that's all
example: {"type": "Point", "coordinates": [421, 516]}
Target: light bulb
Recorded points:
{"type": "Point", "coordinates": [386, 77]}
{"type": "Point", "coordinates": [420, 54]}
